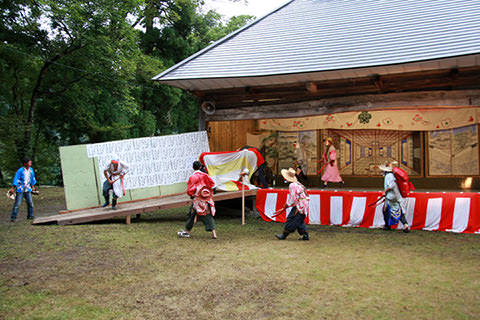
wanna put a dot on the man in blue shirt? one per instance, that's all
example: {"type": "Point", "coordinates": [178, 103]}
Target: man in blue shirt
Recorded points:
{"type": "Point", "coordinates": [24, 183]}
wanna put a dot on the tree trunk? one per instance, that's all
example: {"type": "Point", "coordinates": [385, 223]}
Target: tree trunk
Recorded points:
{"type": "Point", "coordinates": [27, 138]}
{"type": "Point", "coordinates": [2, 180]}
{"type": "Point", "coordinates": [149, 13]}
{"type": "Point", "coordinates": [36, 93]}
{"type": "Point", "coordinates": [35, 143]}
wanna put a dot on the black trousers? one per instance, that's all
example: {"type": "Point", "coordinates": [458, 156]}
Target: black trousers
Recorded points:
{"type": "Point", "coordinates": [295, 221]}
{"type": "Point", "coordinates": [386, 216]}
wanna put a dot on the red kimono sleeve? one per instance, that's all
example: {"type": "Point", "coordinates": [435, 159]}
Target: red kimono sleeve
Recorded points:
{"type": "Point", "coordinates": [192, 185]}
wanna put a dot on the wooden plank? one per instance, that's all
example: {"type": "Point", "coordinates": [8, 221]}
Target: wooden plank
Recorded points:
{"type": "Point", "coordinates": [445, 74]}
{"type": "Point", "coordinates": [440, 98]}
{"type": "Point", "coordinates": [229, 135]}
{"type": "Point", "coordinates": [133, 208]}
{"type": "Point", "coordinates": [123, 202]}
{"type": "Point", "coordinates": [446, 79]}
{"type": "Point", "coordinates": [234, 101]}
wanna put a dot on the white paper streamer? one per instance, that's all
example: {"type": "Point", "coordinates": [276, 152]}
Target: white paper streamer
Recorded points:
{"type": "Point", "coordinates": [153, 161]}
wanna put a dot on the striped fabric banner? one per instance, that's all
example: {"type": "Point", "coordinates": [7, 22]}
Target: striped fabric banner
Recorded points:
{"type": "Point", "coordinates": [436, 211]}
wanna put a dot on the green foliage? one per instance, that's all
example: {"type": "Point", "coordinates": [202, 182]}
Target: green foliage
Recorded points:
{"type": "Point", "coordinates": [77, 71]}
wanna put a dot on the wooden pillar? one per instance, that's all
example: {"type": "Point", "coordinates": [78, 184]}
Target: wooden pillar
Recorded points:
{"type": "Point", "coordinates": [201, 120]}
{"type": "Point", "coordinates": [128, 219]}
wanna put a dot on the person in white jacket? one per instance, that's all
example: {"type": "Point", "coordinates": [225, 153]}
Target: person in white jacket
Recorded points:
{"type": "Point", "coordinates": [114, 172]}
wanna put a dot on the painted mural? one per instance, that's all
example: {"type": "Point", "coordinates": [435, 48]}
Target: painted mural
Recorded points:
{"type": "Point", "coordinates": [403, 120]}
{"type": "Point", "coordinates": [361, 151]}
{"type": "Point", "coordinates": [298, 147]}
{"type": "Point", "coordinates": [454, 152]}
{"type": "Point", "coordinates": [451, 152]}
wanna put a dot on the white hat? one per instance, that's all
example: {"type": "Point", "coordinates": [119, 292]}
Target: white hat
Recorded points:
{"type": "Point", "coordinates": [385, 168]}
{"type": "Point", "coordinates": [289, 175]}
{"type": "Point", "coordinates": [388, 166]}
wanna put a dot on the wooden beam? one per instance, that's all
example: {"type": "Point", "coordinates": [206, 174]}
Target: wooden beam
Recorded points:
{"type": "Point", "coordinates": [128, 219]}
{"type": "Point", "coordinates": [446, 79]}
{"type": "Point", "coordinates": [312, 107]}
{"type": "Point", "coordinates": [311, 87]}
{"type": "Point", "coordinates": [199, 94]}
{"type": "Point", "coordinates": [336, 83]}
{"type": "Point", "coordinates": [378, 83]}
{"type": "Point", "coordinates": [202, 120]}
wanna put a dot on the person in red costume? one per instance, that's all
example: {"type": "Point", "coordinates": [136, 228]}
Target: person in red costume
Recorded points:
{"type": "Point", "coordinates": [200, 189]}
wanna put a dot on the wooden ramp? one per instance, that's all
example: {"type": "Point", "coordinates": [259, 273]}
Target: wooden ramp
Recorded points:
{"type": "Point", "coordinates": [133, 208]}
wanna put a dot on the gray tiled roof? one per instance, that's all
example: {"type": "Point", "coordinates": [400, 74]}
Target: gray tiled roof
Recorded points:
{"type": "Point", "coordinates": [321, 35]}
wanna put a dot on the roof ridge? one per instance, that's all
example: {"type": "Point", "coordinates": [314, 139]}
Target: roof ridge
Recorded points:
{"type": "Point", "coordinates": [220, 41]}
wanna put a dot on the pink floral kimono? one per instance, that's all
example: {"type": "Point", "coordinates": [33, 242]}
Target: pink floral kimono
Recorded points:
{"type": "Point", "coordinates": [298, 197]}
{"type": "Point", "coordinates": [331, 173]}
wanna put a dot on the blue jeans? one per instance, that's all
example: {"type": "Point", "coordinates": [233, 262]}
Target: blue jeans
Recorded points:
{"type": "Point", "coordinates": [18, 201]}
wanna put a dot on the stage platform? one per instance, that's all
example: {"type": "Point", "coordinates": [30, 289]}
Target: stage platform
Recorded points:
{"type": "Point", "coordinates": [127, 209]}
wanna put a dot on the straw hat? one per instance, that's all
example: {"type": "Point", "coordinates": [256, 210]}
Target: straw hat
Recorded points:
{"type": "Point", "coordinates": [289, 175]}
{"type": "Point", "coordinates": [388, 166]}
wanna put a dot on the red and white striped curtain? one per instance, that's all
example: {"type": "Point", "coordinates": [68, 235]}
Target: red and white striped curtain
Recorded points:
{"type": "Point", "coordinates": [434, 211]}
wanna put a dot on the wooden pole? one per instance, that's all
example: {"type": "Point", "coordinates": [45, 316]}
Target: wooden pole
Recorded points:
{"type": "Point", "coordinates": [243, 200]}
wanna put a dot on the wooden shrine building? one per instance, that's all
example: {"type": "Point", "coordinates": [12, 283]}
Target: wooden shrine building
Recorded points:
{"type": "Point", "coordinates": [386, 79]}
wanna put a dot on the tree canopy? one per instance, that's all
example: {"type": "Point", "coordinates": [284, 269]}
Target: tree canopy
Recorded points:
{"type": "Point", "coordinates": [77, 71]}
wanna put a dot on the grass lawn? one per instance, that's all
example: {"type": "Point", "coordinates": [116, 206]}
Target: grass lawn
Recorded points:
{"type": "Point", "coordinates": [111, 270]}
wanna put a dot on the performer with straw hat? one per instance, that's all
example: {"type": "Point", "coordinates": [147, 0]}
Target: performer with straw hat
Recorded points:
{"type": "Point", "coordinates": [298, 199]}
{"type": "Point", "coordinates": [392, 208]}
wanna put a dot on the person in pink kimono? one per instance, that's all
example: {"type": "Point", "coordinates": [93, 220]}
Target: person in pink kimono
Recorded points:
{"type": "Point", "coordinates": [331, 173]}
{"type": "Point", "coordinates": [298, 199]}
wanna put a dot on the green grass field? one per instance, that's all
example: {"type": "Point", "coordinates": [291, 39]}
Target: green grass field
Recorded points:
{"type": "Point", "coordinates": [143, 271]}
